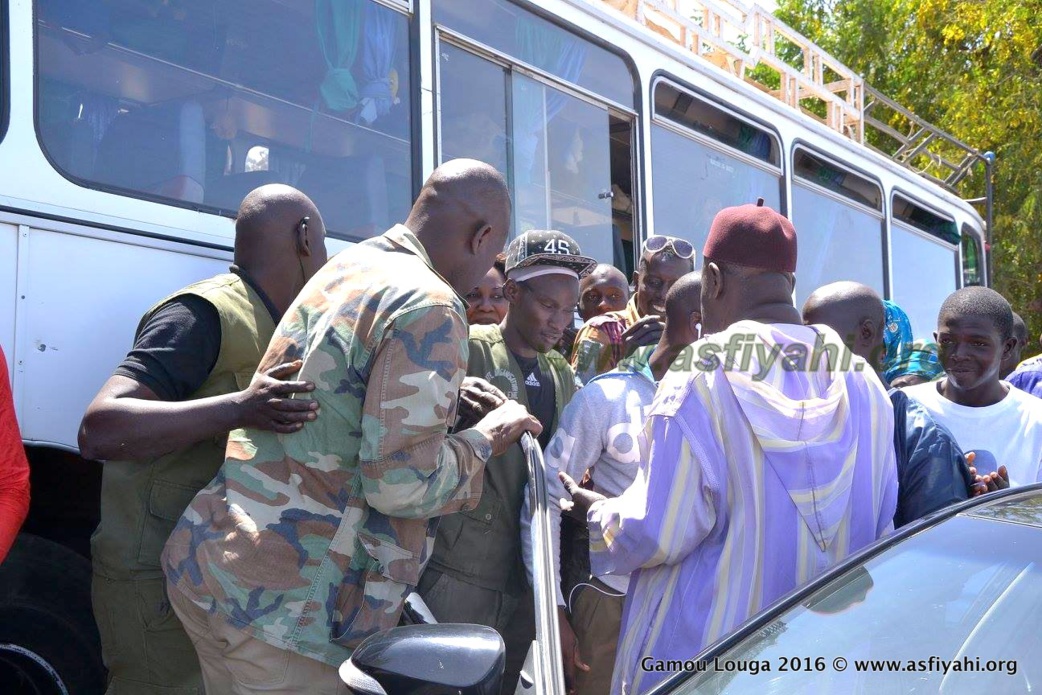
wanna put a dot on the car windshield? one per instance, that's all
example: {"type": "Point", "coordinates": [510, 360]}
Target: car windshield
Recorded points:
{"type": "Point", "coordinates": [954, 609]}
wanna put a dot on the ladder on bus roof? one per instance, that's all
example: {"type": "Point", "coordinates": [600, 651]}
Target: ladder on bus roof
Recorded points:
{"type": "Point", "coordinates": [752, 44]}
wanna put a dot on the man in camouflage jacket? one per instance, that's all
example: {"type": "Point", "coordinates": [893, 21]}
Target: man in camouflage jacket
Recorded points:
{"type": "Point", "coordinates": [307, 543]}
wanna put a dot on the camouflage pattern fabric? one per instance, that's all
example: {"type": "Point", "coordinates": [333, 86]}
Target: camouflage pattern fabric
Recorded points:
{"type": "Point", "coordinates": [598, 345]}
{"type": "Point", "coordinates": [310, 541]}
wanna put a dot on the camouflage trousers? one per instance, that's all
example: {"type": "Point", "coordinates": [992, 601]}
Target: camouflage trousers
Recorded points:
{"type": "Point", "coordinates": [145, 649]}
{"type": "Point", "coordinates": [452, 600]}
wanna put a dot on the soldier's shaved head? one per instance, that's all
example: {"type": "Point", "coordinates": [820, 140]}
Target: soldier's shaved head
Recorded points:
{"type": "Point", "coordinates": [684, 297]}
{"type": "Point", "coordinates": [279, 240]}
{"type": "Point", "coordinates": [462, 218]}
{"type": "Point", "coordinates": [683, 314]}
{"type": "Point", "coordinates": [266, 219]}
{"type": "Point", "coordinates": [853, 310]}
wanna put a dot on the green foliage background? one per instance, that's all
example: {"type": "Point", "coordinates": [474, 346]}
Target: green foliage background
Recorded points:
{"type": "Point", "coordinates": [974, 68]}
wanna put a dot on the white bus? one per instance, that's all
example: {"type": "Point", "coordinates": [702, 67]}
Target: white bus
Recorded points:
{"type": "Point", "coordinates": [131, 129]}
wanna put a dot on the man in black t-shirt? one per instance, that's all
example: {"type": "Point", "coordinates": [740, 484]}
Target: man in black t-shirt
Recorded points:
{"type": "Point", "coordinates": [161, 421]}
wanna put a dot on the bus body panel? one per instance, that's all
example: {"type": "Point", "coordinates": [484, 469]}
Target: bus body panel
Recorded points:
{"type": "Point", "coordinates": [80, 298]}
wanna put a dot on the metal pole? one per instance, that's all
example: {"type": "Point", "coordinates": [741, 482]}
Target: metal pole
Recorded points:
{"type": "Point", "coordinates": [989, 214]}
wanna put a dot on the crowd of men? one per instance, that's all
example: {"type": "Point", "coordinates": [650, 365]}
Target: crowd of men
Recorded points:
{"type": "Point", "coordinates": [293, 447]}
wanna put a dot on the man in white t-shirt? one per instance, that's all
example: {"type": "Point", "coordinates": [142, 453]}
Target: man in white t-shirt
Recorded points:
{"type": "Point", "coordinates": [1001, 425]}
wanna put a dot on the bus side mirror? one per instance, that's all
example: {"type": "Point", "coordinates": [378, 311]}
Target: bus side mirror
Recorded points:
{"type": "Point", "coordinates": [427, 659]}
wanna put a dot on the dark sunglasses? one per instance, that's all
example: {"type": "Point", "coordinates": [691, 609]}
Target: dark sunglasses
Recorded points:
{"type": "Point", "coordinates": [681, 248]}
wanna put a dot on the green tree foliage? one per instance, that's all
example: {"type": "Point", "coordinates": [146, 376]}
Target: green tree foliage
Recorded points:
{"type": "Point", "coordinates": [973, 68]}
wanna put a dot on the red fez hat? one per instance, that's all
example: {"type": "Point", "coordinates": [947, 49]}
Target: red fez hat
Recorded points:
{"type": "Point", "coordinates": [753, 236]}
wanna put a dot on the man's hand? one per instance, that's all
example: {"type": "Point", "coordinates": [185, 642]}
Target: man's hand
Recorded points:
{"type": "Point", "coordinates": [505, 425]}
{"type": "Point", "coordinates": [646, 331]}
{"type": "Point", "coordinates": [266, 404]}
{"type": "Point", "coordinates": [581, 500]}
{"type": "Point", "coordinates": [989, 482]}
{"type": "Point", "coordinates": [477, 398]}
{"type": "Point", "coordinates": [569, 651]}
{"type": "Point", "coordinates": [567, 342]}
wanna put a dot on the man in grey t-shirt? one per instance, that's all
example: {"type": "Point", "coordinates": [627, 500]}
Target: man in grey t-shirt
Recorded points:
{"type": "Point", "coordinates": [598, 432]}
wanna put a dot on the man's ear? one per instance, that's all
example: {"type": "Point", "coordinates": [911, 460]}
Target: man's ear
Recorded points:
{"type": "Point", "coordinates": [303, 238]}
{"type": "Point", "coordinates": [1008, 346]}
{"type": "Point", "coordinates": [694, 319]}
{"type": "Point", "coordinates": [866, 331]}
{"type": "Point", "coordinates": [511, 291]}
{"type": "Point", "coordinates": [480, 237]}
{"type": "Point", "coordinates": [635, 282]}
{"type": "Point", "coordinates": [712, 281]}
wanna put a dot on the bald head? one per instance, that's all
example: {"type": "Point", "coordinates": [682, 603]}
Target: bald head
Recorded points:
{"type": "Point", "coordinates": [853, 310]}
{"type": "Point", "coordinates": [603, 290]}
{"type": "Point", "coordinates": [683, 314]}
{"type": "Point", "coordinates": [684, 299]}
{"type": "Point", "coordinates": [462, 218]}
{"type": "Point", "coordinates": [280, 241]}
{"type": "Point", "coordinates": [464, 189]}
{"type": "Point", "coordinates": [267, 221]}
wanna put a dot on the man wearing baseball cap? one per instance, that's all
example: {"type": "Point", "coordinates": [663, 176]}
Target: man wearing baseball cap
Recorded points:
{"type": "Point", "coordinates": [762, 467]}
{"type": "Point", "coordinates": [476, 574]}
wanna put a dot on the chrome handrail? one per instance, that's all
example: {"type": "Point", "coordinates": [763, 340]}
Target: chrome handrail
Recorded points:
{"type": "Point", "coordinates": [547, 649]}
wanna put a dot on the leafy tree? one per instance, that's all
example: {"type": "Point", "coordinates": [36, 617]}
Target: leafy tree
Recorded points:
{"type": "Point", "coordinates": [973, 68]}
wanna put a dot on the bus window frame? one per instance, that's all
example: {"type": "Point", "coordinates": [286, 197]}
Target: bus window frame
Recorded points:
{"type": "Point", "coordinates": [451, 37]}
{"type": "Point", "coordinates": [781, 169]}
{"type": "Point", "coordinates": [414, 130]}
{"type": "Point", "coordinates": [967, 231]}
{"type": "Point", "coordinates": [464, 42]}
{"type": "Point", "coordinates": [634, 111]}
{"type": "Point", "coordinates": [5, 67]}
{"type": "Point", "coordinates": [589, 37]}
{"type": "Point", "coordinates": [933, 210]}
{"type": "Point", "coordinates": [883, 212]}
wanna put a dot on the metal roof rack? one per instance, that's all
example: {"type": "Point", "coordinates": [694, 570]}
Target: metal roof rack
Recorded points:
{"type": "Point", "coordinates": [750, 43]}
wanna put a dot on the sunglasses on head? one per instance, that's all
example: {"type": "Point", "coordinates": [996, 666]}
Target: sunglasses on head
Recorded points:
{"type": "Point", "coordinates": [681, 248]}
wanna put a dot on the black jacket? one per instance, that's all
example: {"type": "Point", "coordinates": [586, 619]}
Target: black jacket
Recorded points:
{"type": "Point", "coordinates": [932, 472]}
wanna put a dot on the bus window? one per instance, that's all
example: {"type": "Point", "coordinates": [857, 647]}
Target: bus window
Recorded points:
{"type": "Point", "coordinates": [567, 155]}
{"type": "Point", "coordinates": [522, 35]}
{"type": "Point", "coordinates": [562, 170]}
{"type": "Point", "coordinates": [473, 114]}
{"type": "Point", "coordinates": [704, 159]}
{"type": "Point", "coordinates": [924, 258]}
{"type": "Point", "coordinates": [971, 258]}
{"type": "Point", "coordinates": [838, 217]}
{"type": "Point", "coordinates": [175, 102]}
{"type": "Point", "coordinates": [704, 118]}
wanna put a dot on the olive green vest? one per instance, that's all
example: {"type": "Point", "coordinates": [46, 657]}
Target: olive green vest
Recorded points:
{"type": "Point", "coordinates": [483, 546]}
{"type": "Point", "coordinates": [141, 501]}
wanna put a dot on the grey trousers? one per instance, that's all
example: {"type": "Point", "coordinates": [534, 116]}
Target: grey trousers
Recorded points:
{"type": "Point", "coordinates": [452, 600]}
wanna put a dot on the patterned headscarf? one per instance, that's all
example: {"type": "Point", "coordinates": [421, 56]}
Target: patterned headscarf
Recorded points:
{"type": "Point", "coordinates": [897, 337]}
{"type": "Point", "coordinates": [921, 360]}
